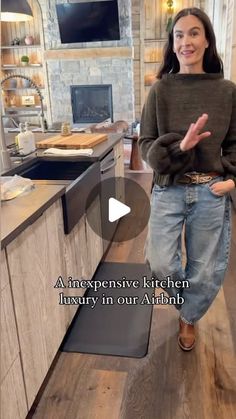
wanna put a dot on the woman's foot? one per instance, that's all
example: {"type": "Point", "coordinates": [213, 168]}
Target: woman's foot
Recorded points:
{"type": "Point", "coordinates": [186, 338]}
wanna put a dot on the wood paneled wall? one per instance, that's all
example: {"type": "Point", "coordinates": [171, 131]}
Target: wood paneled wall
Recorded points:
{"type": "Point", "coordinates": [156, 16]}
{"type": "Point", "coordinates": [149, 19]}
{"type": "Point", "coordinates": [223, 16]}
{"type": "Point", "coordinates": [136, 17]}
{"type": "Point", "coordinates": [20, 30]}
{"type": "Point", "coordinates": [230, 42]}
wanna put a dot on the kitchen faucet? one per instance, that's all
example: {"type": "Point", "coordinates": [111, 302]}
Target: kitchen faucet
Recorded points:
{"type": "Point", "coordinates": [5, 157]}
{"type": "Point", "coordinates": [12, 120]}
{"type": "Point", "coordinates": [34, 85]}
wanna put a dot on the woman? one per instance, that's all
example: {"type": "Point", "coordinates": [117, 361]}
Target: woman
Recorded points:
{"type": "Point", "coordinates": [188, 137]}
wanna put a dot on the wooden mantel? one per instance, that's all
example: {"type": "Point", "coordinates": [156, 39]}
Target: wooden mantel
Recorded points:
{"type": "Point", "coordinates": [81, 53]}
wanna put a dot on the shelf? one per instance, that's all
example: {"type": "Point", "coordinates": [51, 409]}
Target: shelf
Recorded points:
{"type": "Point", "coordinates": [23, 108]}
{"type": "Point", "coordinates": [21, 88]}
{"type": "Point", "coordinates": [152, 62]}
{"type": "Point", "coordinates": [21, 115]}
{"type": "Point", "coordinates": [12, 67]}
{"type": "Point", "coordinates": [21, 66]}
{"type": "Point", "coordinates": [155, 40]}
{"type": "Point", "coordinates": [20, 46]}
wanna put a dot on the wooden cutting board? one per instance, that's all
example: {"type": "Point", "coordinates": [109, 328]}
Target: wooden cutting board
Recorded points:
{"type": "Point", "coordinates": [74, 141]}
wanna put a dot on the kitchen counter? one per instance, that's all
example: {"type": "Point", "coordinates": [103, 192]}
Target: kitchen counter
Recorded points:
{"type": "Point", "coordinates": [20, 212]}
{"type": "Point", "coordinates": [99, 151]}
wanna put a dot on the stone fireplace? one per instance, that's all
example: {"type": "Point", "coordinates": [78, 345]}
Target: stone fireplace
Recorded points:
{"type": "Point", "coordinates": [94, 63]}
{"type": "Point", "coordinates": [91, 103]}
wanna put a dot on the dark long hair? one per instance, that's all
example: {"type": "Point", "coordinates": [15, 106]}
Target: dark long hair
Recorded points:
{"type": "Point", "coordinates": [212, 63]}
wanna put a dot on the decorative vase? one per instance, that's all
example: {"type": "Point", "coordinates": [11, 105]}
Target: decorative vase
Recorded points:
{"type": "Point", "coordinates": [29, 40]}
{"type": "Point", "coordinates": [15, 41]}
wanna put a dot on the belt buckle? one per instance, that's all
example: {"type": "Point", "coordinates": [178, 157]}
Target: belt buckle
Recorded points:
{"type": "Point", "coordinates": [198, 178]}
{"type": "Point", "coordinates": [193, 178]}
{"type": "Point", "coordinates": [206, 179]}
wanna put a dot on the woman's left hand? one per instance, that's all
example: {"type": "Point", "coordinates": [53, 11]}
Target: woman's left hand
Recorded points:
{"type": "Point", "coordinates": [221, 188]}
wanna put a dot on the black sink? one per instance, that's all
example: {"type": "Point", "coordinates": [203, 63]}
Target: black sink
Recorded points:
{"type": "Point", "coordinates": [84, 176]}
{"type": "Point", "coordinates": [55, 170]}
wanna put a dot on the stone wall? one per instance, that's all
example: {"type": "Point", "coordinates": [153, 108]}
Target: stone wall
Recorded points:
{"type": "Point", "coordinates": [117, 72]}
{"type": "Point", "coordinates": [62, 73]}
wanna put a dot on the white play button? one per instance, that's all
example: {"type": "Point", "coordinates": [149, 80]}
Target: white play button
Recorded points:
{"type": "Point", "coordinates": [123, 218]}
{"type": "Point", "coordinates": [117, 209]}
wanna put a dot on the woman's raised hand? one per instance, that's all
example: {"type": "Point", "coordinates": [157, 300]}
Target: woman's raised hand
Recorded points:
{"type": "Point", "coordinates": [193, 137]}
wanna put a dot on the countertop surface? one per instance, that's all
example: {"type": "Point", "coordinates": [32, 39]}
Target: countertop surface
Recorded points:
{"type": "Point", "coordinates": [20, 212]}
{"type": "Point", "coordinates": [99, 151]}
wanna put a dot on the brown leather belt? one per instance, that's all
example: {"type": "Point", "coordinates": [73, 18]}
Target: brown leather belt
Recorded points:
{"type": "Point", "coordinates": [196, 178]}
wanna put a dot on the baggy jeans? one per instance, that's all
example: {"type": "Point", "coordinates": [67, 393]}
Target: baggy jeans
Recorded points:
{"type": "Point", "coordinates": [207, 220]}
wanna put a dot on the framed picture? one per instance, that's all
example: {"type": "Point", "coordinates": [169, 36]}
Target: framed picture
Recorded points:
{"type": "Point", "coordinates": [27, 100]}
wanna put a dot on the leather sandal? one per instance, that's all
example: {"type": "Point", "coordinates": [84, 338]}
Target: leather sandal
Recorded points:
{"type": "Point", "coordinates": [186, 338]}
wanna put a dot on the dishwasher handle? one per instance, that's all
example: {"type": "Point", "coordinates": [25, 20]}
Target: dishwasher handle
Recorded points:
{"type": "Point", "coordinates": [106, 169]}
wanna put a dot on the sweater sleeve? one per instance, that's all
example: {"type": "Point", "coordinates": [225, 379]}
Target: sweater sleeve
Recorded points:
{"type": "Point", "coordinates": [161, 152]}
{"type": "Point", "coordinates": [229, 145]}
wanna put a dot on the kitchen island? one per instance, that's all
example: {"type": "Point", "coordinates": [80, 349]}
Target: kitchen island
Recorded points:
{"type": "Point", "coordinates": [35, 253]}
{"type": "Point", "coordinates": [114, 141]}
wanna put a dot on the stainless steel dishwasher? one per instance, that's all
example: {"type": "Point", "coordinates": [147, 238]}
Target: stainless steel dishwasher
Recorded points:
{"type": "Point", "coordinates": [108, 190]}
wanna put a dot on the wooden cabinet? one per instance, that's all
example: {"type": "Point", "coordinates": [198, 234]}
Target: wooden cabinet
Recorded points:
{"type": "Point", "coordinates": [83, 250]}
{"type": "Point", "coordinates": [94, 240]}
{"type": "Point", "coordinates": [37, 258]}
{"type": "Point", "coordinates": [13, 398]}
{"type": "Point", "coordinates": [75, 253]}
{"type": "Point", "coordinates": [35, 262]}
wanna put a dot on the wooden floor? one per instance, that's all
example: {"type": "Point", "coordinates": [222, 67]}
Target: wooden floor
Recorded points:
{"type": "Point", "coordinates": [167, 383]}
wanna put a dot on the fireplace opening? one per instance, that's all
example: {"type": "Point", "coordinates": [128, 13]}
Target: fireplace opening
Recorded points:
{"type": "Point", "coordinates": [91, 103]}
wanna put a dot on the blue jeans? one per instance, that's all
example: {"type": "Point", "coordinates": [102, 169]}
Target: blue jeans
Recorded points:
{"type": "Point", "coordinates": [207, 220]}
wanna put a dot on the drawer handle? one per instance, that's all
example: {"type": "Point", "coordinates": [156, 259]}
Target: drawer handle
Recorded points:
{"type": "Point", "coordinates": [108, 167]}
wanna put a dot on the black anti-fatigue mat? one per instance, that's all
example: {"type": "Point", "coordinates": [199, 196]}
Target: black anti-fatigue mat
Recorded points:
{"type": "Point", "coordinates": [114, 329]}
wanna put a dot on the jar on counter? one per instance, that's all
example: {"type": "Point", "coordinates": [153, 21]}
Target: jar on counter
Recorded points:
{"type": "Point", "coordinates": [65, 129]}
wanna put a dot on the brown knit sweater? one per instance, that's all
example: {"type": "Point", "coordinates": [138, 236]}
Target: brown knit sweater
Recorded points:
{"type": "Point", "coordinates": [173, 103]}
